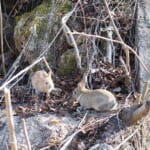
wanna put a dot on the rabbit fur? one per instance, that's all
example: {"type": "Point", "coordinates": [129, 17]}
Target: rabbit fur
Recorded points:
{"type": "Point", "coordinates": [42, 81]}
{"type": "Point", "coordinates": [98, 99]}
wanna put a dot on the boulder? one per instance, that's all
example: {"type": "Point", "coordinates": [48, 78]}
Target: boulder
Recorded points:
{"type": "Point", "coordinates": [43, 129]}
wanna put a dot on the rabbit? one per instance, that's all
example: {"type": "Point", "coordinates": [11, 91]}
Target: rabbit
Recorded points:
{"type": "Point", "coordinates": [42, 81]}
{"type": "Point", "coordinates": [98, 99]}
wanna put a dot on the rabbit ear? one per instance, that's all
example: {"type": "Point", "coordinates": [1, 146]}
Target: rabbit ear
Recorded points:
{"type": "Point", "coordinates": [85, 76]}
{"type": "Point", "coordinates": [43, 74]}
{"type": "Point", "coordinates": [81, 84]}
{"type": "Point", "coordinates": [49, 73]}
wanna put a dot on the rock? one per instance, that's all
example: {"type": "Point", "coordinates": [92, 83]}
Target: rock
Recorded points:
{"type": "Point", "coordinates": [67, 64]}
{"type": "Point", "coordinates": [103, 146]}
{"type": "Point", "coordinates": [142, 42]}
{"type": "Point", "coordinates": [118, 89]}
{"type": "Point", "coordinates": [42, 24]}
{"type": "Point", "coordinates": [43, 129]}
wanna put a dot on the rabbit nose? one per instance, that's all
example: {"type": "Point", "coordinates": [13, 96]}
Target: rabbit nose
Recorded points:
{"type": "Point", "coordinates": [50, 86]}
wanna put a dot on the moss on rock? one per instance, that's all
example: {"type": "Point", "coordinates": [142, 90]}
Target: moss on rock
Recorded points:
{"type": "Point", "coordinates": [67, 65]}
{"type": "Point", "coordinates": [42, 23]}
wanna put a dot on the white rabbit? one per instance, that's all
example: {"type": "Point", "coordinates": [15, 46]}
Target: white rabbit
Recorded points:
{"type": "Point", "coordinates": [98, 99]}
{"type": "Point", "coordinates": [42, 81]}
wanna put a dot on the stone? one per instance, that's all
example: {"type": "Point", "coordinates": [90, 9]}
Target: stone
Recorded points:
{"type": "Point", "coordinates": [43, 129]}
{"type": "Point", "coordinates": [142, 41]}
{"type": "Point", "coordinates": [40, 27]}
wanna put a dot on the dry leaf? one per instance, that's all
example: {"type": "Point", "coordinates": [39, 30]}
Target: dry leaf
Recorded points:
{"type": "Point", "coordinates": [54, 120]}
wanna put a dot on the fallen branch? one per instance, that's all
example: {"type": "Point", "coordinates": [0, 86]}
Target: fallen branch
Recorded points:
{"type": "Point", "coordinates": [131, 115]}
{"type": "Point", "coordinates": [26, 134]}
{"type": "Point", "coordinates": [13, 141]}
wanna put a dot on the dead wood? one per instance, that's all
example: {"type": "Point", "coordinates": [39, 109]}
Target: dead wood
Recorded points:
{"type": "Point", "coordinates": [1, 41]}
{"type": "Point", "coordinates": [26, 134]}
{"type": "Point", "coordinates": [133, 114]}
{"type": "Point", "coordinates": [137, 111]}
{"type": "Point", "coordinates": [13, 141]}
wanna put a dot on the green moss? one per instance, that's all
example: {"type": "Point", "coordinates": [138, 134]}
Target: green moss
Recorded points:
{"type": "Point", "coordinates": [44, 8]}
{"type": "Point", "coordinates": [67, 64]}
{"type": "Point", "coordinates": [40, 10]}
{"type": "Point", "coordinates": [41, 21]}
{"type": "Point", "coordinates": [7, 28]}
{"type": "Point", "coordinates": [66, 7]}
{"type": "Point", "coordinates": [36, 16]}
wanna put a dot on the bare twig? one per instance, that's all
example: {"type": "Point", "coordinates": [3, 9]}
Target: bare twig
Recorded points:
{"type": "Point", "coordinates": [13, 141]}
{"type": "Point", "coordinates": [70, 38]}
{"type": "Point", "coordinates": [141, 98]}
{"type": "Point", "coordinates": [13, 8]}
{"type": "Point", "coordinates": [128, 138]}
{"type": "Point", "coordinates": [45, 148]}
{"type": "Point", "coordinates": [116, 41]}
{"type": "Point", "coordinates": [21, 72]}
{"type": "Point", "coordinates": [52, 42]}
{"type": "Point", "coordinates": [124, 65]}
{"type": "Point", "coordinates": [69, 139]}
{"type": "Point", "coordinates": [85, 127]}
{"type": "Point", "coordinates": [83, 120]}
{"type": "Point", "coordinates": [6, 145]}
{"type": "Point", "coordinates": [136, 111]}
{"type": "Point", "coordinates": [113, 23]}
{"type": "Point", "coordinates": [26, 134]}
{"type": "Point", "coordinates": [145, 90]}
{"type": "Point", "coordinates": [1, 36]}
{"type": "Point", "coordinates": [110, 51]}
{"type": "Point", "coordinates": [8, 45]}
{"type": "Point", "coordinates": [127, 99]}
{"type": "Point", "coordinates": [95, 36]}
{"type": "Point", "coordinates": [119, 37]}
{"type": "Point", "coordinates": [109, 46]}
{"type": "Point", "coordinates": [47, 65]}
{"type": "Point", "coordinates": [144, 93]}
{"type": "Point", "coordinates": [13, 68]}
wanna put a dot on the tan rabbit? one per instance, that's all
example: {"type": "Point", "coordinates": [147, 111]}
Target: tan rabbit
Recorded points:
{"type": "Point", "coordinates": [98, 99]}
{"type": "Point", "coordinates": [42, 81]}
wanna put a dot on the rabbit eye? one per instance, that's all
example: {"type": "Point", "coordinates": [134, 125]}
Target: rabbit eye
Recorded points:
{"type": "Point", "coordinates": [46, 83]}
{"type": "Point", "coordinates": [74, 92]}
